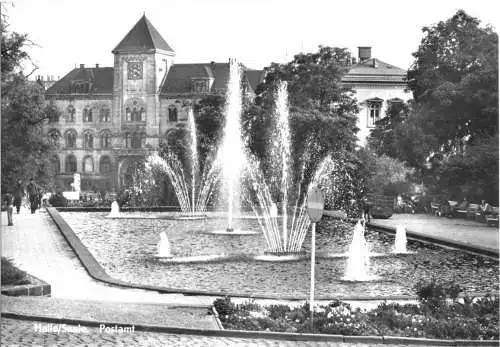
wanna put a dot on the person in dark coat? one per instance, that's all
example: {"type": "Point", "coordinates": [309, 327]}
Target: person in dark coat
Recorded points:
{"type": "Point", "coordinates": [18, 195]}
{"type": "Point", "coordinates": [7, 202]}
{"type": "Point", "coordinates": [33, 194]}
{"type": "Point", "coordinates": [365, 209]}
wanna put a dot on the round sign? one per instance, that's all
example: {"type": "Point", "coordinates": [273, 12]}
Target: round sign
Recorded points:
{"type": "Point", "coordinates": [315, 204]}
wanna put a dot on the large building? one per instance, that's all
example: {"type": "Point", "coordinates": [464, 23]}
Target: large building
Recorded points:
{"type": "Point", "coordinates": [113, 117]}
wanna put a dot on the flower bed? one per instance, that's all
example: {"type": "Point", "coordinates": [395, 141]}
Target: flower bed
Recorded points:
{"type": "Point", "coordinates": [11, 275]}
{"type": "Point", "coordinates": [440, 315]}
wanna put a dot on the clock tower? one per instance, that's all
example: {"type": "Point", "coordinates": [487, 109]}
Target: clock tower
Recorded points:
{"type": "Point", "coordinates": [142, 60]}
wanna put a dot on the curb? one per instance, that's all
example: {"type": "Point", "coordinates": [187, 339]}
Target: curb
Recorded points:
{"type": "Point", "coordinates": [258, 334]}
{"type": "Point", "coordinates": [40, 289]}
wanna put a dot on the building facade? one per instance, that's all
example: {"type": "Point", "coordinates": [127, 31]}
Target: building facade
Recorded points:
{"type": "Point", "coordinates": [377, 84]}
{"type": "Point", "coordinates": [112, 118]}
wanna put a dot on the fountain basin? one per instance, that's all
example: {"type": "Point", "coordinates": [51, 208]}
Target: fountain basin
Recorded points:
{"type": "Point", "coordinates": [233, 232]}
{"type": "Point", "coordinates": [247, 272]}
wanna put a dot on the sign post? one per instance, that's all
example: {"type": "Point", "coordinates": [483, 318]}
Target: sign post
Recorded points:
{"type": "Point", "coordinates": [315, 205]}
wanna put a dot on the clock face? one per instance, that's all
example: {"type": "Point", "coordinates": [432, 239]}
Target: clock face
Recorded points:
{"type": "Point", "coordinates": [134, 70]}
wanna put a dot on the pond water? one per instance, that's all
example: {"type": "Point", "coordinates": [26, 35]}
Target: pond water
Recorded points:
{"type": "Point", "coordinates": [126, 249]}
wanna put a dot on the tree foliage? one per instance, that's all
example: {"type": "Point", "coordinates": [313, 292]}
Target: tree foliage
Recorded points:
{"type": "Point", "coordinates": [25, 151]}
{"type": "Point", "coordinates": [455, 79]}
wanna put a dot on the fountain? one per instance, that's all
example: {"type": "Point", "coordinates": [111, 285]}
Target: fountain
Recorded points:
{"type": "Point", "coordinates": [192, 201]}
{"type": "Point", "coordinates": [164, 246]}
{"type": "Point", "coordinates": [358, 262]}
{"type": "Point", "coordinates": [231, 152]}
{"type": "Point", "coordinates": [400, 240]}
{"type": "Point", "coordinates": [115, 210]}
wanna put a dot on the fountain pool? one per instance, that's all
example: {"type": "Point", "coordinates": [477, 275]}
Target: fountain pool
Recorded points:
{"type": "Point", "coordinates": [127, 249]}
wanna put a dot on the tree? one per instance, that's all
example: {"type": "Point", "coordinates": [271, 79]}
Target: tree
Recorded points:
{"type": "Point", "coordinates": [322, 111]}
{"type": "Point", "coordinates": [454, 79]}
{"type": "Point", "coordinates": [25, 151]}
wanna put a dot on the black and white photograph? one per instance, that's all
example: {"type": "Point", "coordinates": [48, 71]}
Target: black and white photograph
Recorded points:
{"type": "Point", "coordinates": [249, 173]}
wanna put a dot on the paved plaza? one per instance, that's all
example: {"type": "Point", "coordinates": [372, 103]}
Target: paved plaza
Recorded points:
{"type": "Point", "coordinates": [36, 246]}
{"type": "Point", "coordinates": [455, 230]}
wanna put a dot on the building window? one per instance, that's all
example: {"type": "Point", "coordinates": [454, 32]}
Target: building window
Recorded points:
{"type": "Point", "coordinates": [88, 164]}
{"type": "Point", "coordinates": [70, 114]}
{"type": "Point", "coordinates": [172, 113]}
{"type": "Point", "coordinates": [135, 111]}
{"type": "Point", "coordinates": [134, 71]}
{"type": "Point", "coordinates": [56, 165]}
{"type": "Point", "coordinates": [105, 165]}
{"type": "Point", "coordinates": [374, 107]}
{"type": "Point", "coordinates": [106, 139]}
{"type": "Point", "coordinates": [70, 139]}
{"type": "Point", "coordinates": [70, 164]}
{"type": "Point", "coordinates": [88, 140]}
{"type": "Point", "coordinates": [200, 86]}
{"type": "Point", "coordinates": [105, 114]}
{"type": "Point", "coordinates": [87, 114]}
{"type": "Point", "coordinates": [54, 137]}
{"type": "Point", "coordinates": [133, 140]}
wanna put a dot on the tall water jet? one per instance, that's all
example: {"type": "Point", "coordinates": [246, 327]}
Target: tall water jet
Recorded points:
{"type": "Point", "coordinates": [400, 240]}
{"type": "Point", "coordinates": [194, 158]}
{"type": "Point", "coordinates": [283, 147]}
{"type": "Point", "coordinates": [358, 263]}
{"type": "Point", "coordinates": [232, 152]}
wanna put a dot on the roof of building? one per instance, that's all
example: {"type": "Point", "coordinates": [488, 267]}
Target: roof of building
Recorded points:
{"type": "Point", "coordinates": [374, 70]}
{"type": "Point", "coordinates": [255, 77]}
{"type": "Point", "coordinates": [142, 37]}
{"type": "Point", "coordinates": [101, 79]}
{"type": "Point", "coordinates": [180, 76]}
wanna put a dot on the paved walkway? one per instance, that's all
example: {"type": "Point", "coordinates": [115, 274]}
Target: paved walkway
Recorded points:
{"type": "Point", "coordinates": [458, 230]}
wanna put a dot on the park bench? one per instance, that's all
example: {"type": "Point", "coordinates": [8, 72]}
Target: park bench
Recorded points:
{"type": "Point", "coordinates": [473, 212]}
{"type": "Point", "coordinates": [492, 217]}
{"type": "Point", "coordinates": [435, 208]}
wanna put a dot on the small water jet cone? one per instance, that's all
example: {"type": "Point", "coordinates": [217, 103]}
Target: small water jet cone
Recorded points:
{"type": "Point", "coordinates": [400, 240]}
{"type": "Point", "coordinates": [164, 246]}
{"type": "Point", "coordinates": [115, 209]}
{"type": "Point", "coordinates": [358, 263]}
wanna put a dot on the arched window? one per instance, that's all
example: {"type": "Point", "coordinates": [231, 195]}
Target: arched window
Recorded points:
{"type": "Point", "coordinates": [70, 114]}
{"type": "Point", "coordinates": [88, 164]}
{"type": "Point", "coordinates": [172, 113]}
{"type": "Point", "coordinates": [87, 114]}
{"type": "Point", "coordinates": [53, 137]}
{"type": "Point", "coordinates": [105, 114]}
{"type": "Point", "coordinates": [374, 108]}
{"type": "Point", "coordinates": [70, 164]}
{"type": "Point", "coordinates": [105, 139]}
{"type": "Point", "coordinates": [56, 165]}
{"type": "Point", "coordinates": [88, 140]}
{"type": "Point", "coordinates": [135, 111]}
{"type": "Point", "coordinates": [70, 138]}
{"type": "Point", "coordinates": [105, 164]}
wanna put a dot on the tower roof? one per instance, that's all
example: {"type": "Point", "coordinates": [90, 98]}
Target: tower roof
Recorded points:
{"type": "Point", "coordinates": [142, 37]}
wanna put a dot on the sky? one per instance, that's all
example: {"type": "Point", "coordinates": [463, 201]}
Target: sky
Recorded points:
{"type": "Point", "coordinates": [67, 33]}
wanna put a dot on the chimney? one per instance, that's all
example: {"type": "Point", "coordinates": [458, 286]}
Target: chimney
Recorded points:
{"type": "Point", "coordinates": [364, 53]}
{"type": "Point", "coordinates": [82, 66]}
{"type": "Point", "coordinates": [96, 66]}
{"type": "Point", "coordinates": [374, 62]}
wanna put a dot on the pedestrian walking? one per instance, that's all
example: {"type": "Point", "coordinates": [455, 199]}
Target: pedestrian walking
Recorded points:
{"type": "Point", "coordinates": [33, 194]}
{"type": "Point", "coordinates": [8, 203]}
{"type": "Point", "coordinates": [365, 209]}
{"type": "Point", "coordinates": [18, 195]}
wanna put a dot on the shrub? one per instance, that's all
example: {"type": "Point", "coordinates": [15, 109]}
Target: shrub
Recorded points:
{"type": "Point", "coordinates": [224, 307]}
{"type": "Point", "coordinates": [11, 274]}
{"type": "Point", "coordinates": [58, 200]}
